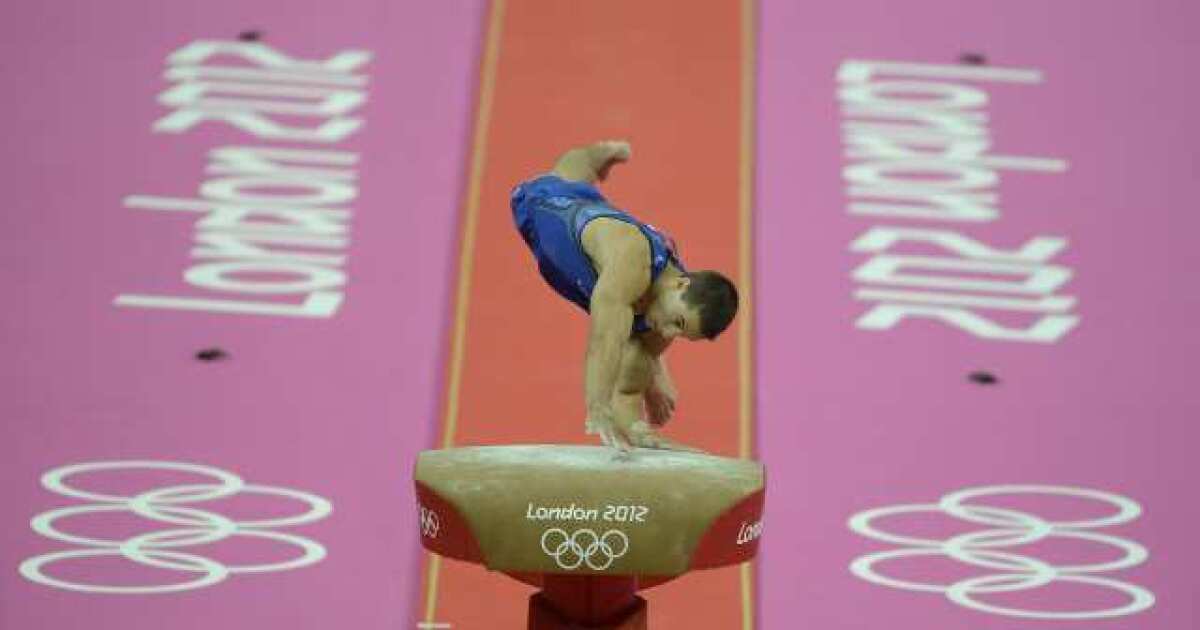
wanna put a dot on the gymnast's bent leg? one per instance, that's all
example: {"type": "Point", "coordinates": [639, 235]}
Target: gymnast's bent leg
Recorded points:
{"type": "Point", "coordinates": [634, 378]}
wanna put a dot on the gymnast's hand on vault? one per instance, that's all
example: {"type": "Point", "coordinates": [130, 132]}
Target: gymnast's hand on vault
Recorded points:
{"type": "Point", "coordinates": [602, 421]}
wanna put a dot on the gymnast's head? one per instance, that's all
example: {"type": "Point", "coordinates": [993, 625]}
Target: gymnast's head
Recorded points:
{"type": "Point", "coordinates": [695, 305]}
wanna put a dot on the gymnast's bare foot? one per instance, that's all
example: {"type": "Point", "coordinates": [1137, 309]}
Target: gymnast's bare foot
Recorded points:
{"type": "Point", "coordinates": [611, 152]}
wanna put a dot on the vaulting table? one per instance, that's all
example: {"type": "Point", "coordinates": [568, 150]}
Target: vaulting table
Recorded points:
{"type": "Point", "coordinates": [586, 526]}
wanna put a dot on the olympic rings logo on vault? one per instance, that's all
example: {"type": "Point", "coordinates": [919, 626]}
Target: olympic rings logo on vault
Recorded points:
{"type": "Point", "coordinates": [430, 523]}
{"type": "Point", "coordinates": [1010, 572]}
{"type": "Point", "coordinates": [162, 548]}
{"type": "Point", "coordinates": [598, 551]}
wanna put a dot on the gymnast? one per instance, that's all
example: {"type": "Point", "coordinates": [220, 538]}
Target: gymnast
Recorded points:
{"type": "Point", "coordinates": [627, 274]}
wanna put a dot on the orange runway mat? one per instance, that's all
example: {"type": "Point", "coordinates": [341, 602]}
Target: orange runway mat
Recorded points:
{"type": "Point", "coordinates": [673, 84]}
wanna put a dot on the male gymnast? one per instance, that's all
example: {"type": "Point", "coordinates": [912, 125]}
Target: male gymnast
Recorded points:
{"type": "Point", "coordinates": [627, 274]}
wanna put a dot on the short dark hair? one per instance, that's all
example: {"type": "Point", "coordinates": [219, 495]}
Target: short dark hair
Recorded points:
{"type": "Point", "coordinates": [716, 298]}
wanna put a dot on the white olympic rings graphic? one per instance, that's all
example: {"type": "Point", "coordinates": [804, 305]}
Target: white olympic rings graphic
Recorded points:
{"type": "Point", "coordinates": [1011, 528]}
{"type": "Point", "coordinates": [157, 548]}
{"type": "Point", "coordinates": [430, 524]}
{"type": "Point", "coordinates": [584, 546]}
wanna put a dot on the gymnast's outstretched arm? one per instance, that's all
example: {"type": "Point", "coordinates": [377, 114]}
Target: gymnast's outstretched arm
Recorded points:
{"type": "Point", "coordinates": [624, 263]}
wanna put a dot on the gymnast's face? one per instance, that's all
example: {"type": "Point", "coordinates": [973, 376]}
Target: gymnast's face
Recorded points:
{"type": "Point", "coordinates": [672, 317]}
